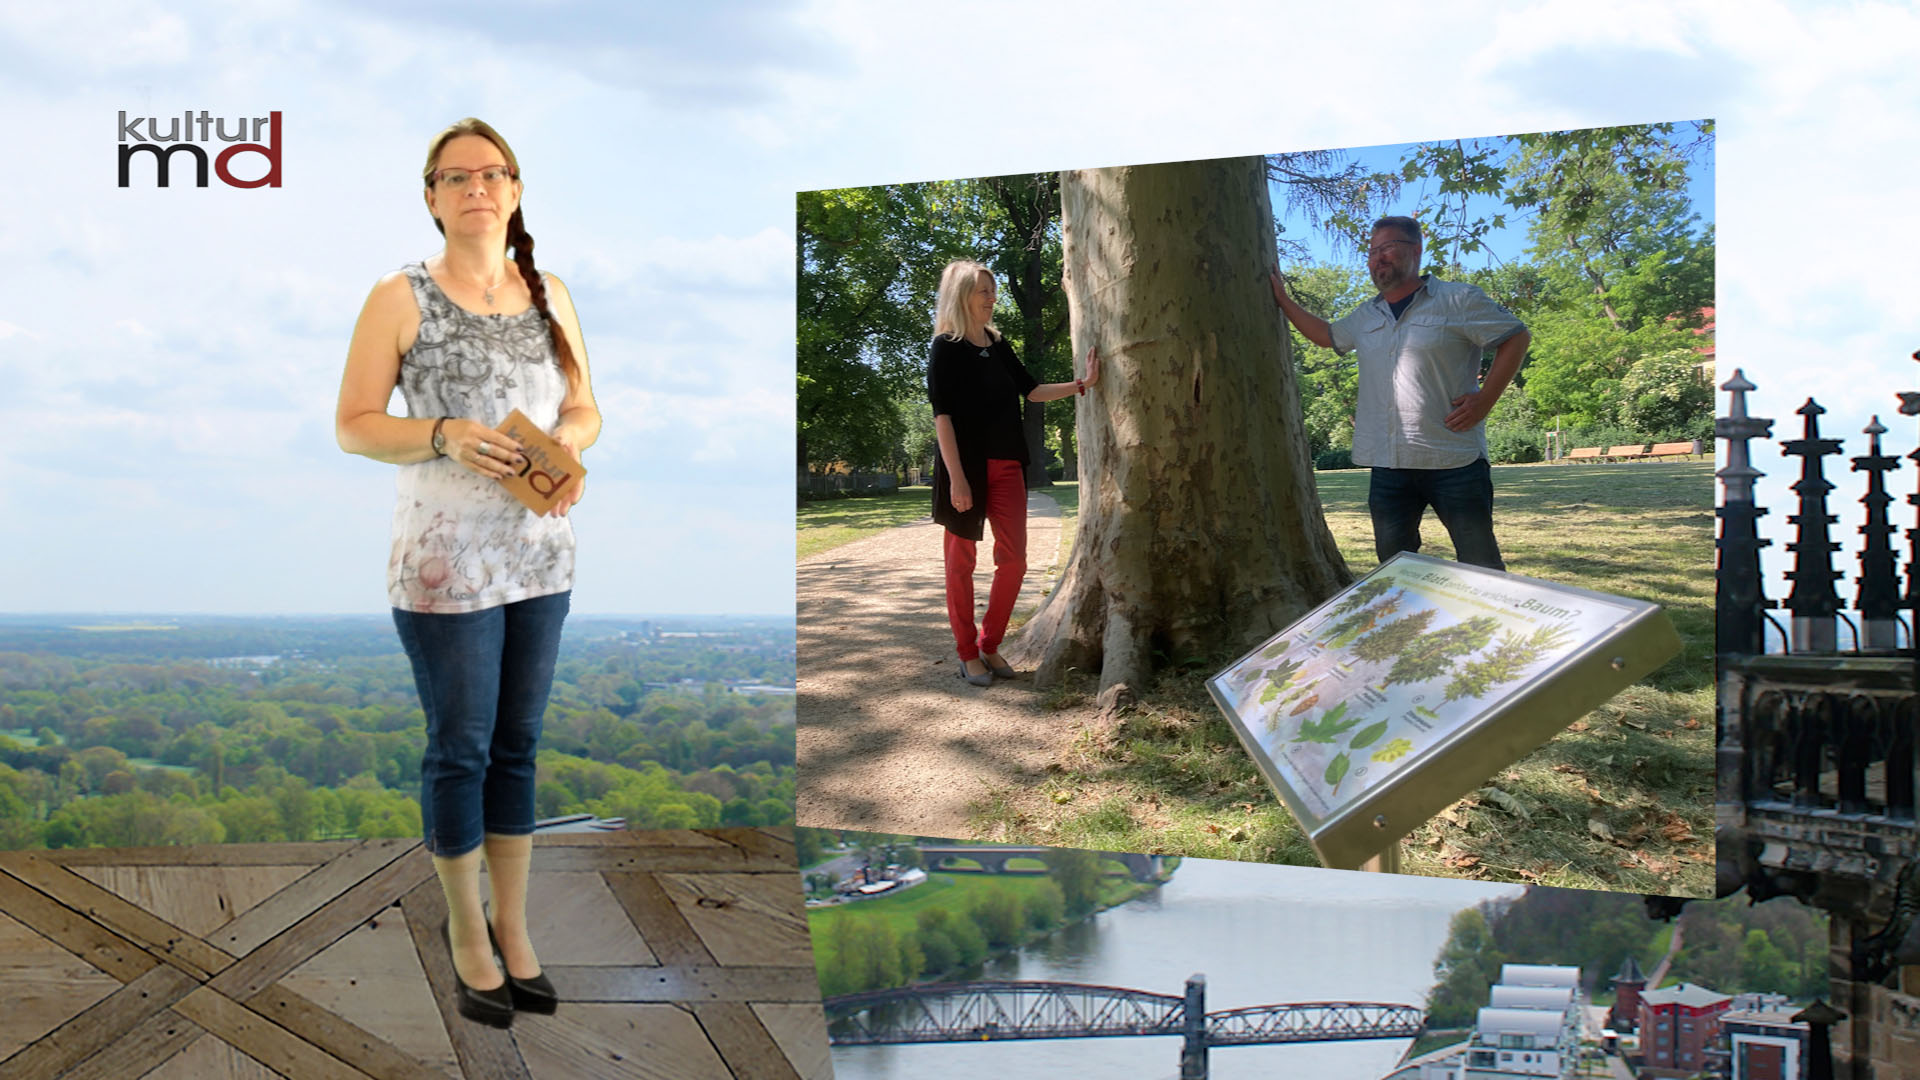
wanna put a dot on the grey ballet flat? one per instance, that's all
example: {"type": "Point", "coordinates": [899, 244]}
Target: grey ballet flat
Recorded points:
{"type": "Point", "coordinates": [985, 678]}
{"type": "Point", "coordinates": [1001, 670]}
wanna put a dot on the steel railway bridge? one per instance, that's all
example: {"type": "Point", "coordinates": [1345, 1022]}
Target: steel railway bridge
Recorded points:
{"type": "Point", "coordinates": [986, 1011]}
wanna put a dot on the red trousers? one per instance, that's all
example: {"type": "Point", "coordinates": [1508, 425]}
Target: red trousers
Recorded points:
{"type": "Point", "coordinates": [1006, 505]}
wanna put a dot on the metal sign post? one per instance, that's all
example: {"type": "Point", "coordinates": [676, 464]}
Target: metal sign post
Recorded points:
{"type": "Point", "coordinates": [1419, 682]}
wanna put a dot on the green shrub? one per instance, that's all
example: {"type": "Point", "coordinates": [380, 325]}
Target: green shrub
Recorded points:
{"type": "Point", "coordinates": [1513, 446]}
{"type": "Point", "coordinates": [1335, 459]}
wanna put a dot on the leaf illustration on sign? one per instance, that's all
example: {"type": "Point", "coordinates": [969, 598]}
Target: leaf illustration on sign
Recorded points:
{"type": "Point", "coordinates": [1367, 735]}
{"type": "Point", "coordinates": [1393, 751]}
{"type": "Point", "coordinates": [1274, 650]}
{"type": "Point", "coordinates": [1336, 770]}
{"type": "Point", "coordinates": [1329, 727]}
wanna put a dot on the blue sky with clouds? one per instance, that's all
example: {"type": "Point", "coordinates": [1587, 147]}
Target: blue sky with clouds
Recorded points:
{"type": "Point", "coordinates": [170, 358]}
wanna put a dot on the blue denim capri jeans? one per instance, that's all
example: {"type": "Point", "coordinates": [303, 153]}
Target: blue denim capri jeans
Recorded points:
{"type": "Point", "coordinates": [483, 678]}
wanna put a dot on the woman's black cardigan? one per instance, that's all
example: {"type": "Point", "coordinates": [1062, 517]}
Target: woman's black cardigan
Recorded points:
{"type": "Point", "coordinates": [981, 391]}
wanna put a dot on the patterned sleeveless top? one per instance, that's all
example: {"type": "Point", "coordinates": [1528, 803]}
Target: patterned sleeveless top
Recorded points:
{"type": "Point", "coordinates": [460, 542]}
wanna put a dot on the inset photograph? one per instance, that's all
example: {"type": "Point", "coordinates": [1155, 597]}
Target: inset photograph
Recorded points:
{"type": "Point", "coordinates": [380, 698]}
{"type": "Point", "coordinates": [939, 958]}
{"type": "Point", "coordinates": [1181, 408]}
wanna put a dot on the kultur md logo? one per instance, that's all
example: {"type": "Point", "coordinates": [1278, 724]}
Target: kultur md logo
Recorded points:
{"type": "Point", "coordinates": [195, 135]}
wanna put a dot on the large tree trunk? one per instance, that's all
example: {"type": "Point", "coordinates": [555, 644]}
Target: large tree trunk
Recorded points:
{"type": "Point", "coordinates": [1200, 530]}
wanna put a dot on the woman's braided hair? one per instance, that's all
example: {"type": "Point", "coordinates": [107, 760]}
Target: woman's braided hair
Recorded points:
{"type": "Point", "coordinates": [519, 240]}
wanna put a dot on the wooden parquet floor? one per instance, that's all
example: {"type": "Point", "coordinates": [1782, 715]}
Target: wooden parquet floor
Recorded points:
{"type": "Point", "coordinates": [678, 955]}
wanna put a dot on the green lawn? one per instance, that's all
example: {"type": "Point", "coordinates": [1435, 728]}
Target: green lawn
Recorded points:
{"type": "Point", "coordinates": [955, 892]}
{"type": "Point", "coordinates": [1622, 800]}
{"type": "Point", "coordinates": [826, 524]}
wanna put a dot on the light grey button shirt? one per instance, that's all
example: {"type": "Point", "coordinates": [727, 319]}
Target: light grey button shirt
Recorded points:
{"type": "Point", "coordinates": [1412, 368]}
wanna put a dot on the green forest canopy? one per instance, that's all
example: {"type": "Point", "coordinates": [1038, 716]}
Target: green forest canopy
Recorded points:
{"type": "Point", "coordinates": [166, 741]}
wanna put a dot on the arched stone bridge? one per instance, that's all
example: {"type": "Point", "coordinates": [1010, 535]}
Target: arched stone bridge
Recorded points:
{"type": "Point", "coordinates": [993, 858]}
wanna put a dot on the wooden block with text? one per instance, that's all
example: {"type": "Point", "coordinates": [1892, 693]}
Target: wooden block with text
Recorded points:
{"type": "Point", "coordinates": [550, 470]}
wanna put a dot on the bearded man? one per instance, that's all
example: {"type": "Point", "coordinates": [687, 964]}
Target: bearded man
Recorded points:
{"type": "Point", "coordinates": [1420, 424]}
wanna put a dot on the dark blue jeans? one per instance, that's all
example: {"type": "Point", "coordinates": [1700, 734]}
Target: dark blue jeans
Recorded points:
{"type": "Point", "coordinates": [483, 678]}
{"type": "Point", "coordinates": [1461, 498]}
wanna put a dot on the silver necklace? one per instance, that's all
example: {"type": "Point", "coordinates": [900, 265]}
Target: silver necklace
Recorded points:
{"type": "Point", "coordinates": [488, 291]}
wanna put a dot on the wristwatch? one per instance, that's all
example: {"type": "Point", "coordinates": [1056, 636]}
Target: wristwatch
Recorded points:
{"type": "Point", "coordinates": [439, 437]}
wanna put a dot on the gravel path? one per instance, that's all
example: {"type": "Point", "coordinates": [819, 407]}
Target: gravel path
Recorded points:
{"type": "Point", "coordinates": [889, 738]}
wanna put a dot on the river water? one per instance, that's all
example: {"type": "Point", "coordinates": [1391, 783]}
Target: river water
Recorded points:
{"type": "Point", "coordinates": [1261, 934]}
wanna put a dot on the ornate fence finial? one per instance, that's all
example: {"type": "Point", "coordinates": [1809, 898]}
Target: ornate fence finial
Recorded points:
{"type": "Point", "coordinates": [1739, 600]}
{"type": "Point", "coordinates": [1813, 601]}
{"type": "Point", "coordinates": [1879, 595]}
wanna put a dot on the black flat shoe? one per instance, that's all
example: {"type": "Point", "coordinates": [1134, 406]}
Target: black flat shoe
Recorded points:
{"type": "Point", "coordinates": [491, 1007]}
{"type": "Point", "coordinates": [535, 995]}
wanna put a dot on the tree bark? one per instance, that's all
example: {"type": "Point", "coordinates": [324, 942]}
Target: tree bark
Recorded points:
{"type": "Point", "coordinates": [1200, 530]}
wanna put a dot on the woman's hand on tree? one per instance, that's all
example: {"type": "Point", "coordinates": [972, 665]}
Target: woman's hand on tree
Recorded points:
{"type": "Point", "coordinates": [1093, 368]}
{"type": "Point", "coordinates": [482, 449]}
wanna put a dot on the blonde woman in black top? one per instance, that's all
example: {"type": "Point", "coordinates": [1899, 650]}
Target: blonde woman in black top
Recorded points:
{"type": "Point", "coordinates": [975, 384]}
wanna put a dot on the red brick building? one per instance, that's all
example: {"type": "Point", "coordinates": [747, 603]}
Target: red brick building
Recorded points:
{"type": "Point", "coordinates": [1678, 1025]}
{"type": "Point", "coordinates": [1626, 996]}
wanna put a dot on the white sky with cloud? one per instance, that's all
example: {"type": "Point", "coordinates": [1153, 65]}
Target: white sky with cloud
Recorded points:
{"type": "Point", "coordinates": [170, 357]}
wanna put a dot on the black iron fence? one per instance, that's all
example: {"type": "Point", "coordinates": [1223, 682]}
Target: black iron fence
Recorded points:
{"type": "Point", "coordinates": [1818, 771]}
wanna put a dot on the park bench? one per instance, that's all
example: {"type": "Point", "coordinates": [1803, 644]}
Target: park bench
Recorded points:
{"type": "Point", "coordinates": [1585, 453]}
{"type": "Point", "coordinates": [1675, 449]}
{"type": "Point", "coordinates": [1627, 452]}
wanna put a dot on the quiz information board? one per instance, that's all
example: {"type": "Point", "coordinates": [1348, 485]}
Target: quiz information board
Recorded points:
{"type": "Point", "coordinates": [1420, 681]}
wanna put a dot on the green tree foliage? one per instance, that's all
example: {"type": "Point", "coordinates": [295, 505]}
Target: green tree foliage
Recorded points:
{"type": "Point", "coordinates": [1467, 966]}
{"type": "Point", "coordinates": [1078, 875]}
{"type": "Point", "coordinates": [1431, 654]}
{"type": "Point", "coordinates": [1730, 945]}
{"type": "Point", "coordinates": [1625, 268]}
{"type": "Point", "coordinates": [1000, 917]}
{"type": "Point", "coordinates": [1664, 393]}
{"type": "Point", "coordinates": [1505, 662]}
{"type": "Point", "coordinates": [1362, 595]}
{"type": "Point", "coordinates": [866, 265]}
{"type": "Point", "coordinates": [329, 746]}
{"type": "Point", "coordinates": [1390, 640]}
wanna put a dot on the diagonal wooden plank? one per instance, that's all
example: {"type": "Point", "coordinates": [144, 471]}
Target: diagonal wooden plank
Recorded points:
{"type": "Point", "coordinates": [267, 963]}
{"type": "Point", "coordinates": [159, 937]}
{"type": "Point", "coordinates": [485, 1053]}
{"type": "Point", "coordinates": [261, 1039]}
{"type": "Point", "coordinates": [304, 896]}
{"type": "Point", "coordinates": [763, 844]}
{"type": "Point", "coordinates": [685, 984]}
{"type": "Point", "coordinates": [340, 1037]}
{"type": "Point", "coordinates": [210, 1058]}
{"type": "Point", "coordinates": [73, 931]}
{"type": "Point", "coordinates": [108, 1022]}
{"type": "Point", "coordinates": [279, 854]}
{"type": "Point", "coordinates": [655, 838]}
{"type": "Point", "coordinates": [662, 860]}
{"type": "Point", "coordinates": [745, 919]}
{"type": "Point", "coordinates": [197, 899]}
{"type": "Point", "coordinates": [658, 919]}
{"type": "Point", "coordinates": [618, 1042]}
{"type": "Point", "coordinates": [801, 1033]}
{"type": "Point", "coordinates": [743, 1042]}
{"type": "Point", "coordinates": [152, 1041]}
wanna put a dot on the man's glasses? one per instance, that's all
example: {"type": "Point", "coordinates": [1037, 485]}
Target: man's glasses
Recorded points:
{"type": "Point", "coordinates": [455, 179]}
{"type": "Point", "coordinates": [1383, 248]}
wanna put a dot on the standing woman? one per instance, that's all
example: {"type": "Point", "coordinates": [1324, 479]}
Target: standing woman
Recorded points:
{"type": "Point", "coordinates": [479, 584]}
{"type": "Point", "coordinates": [975, 383]}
